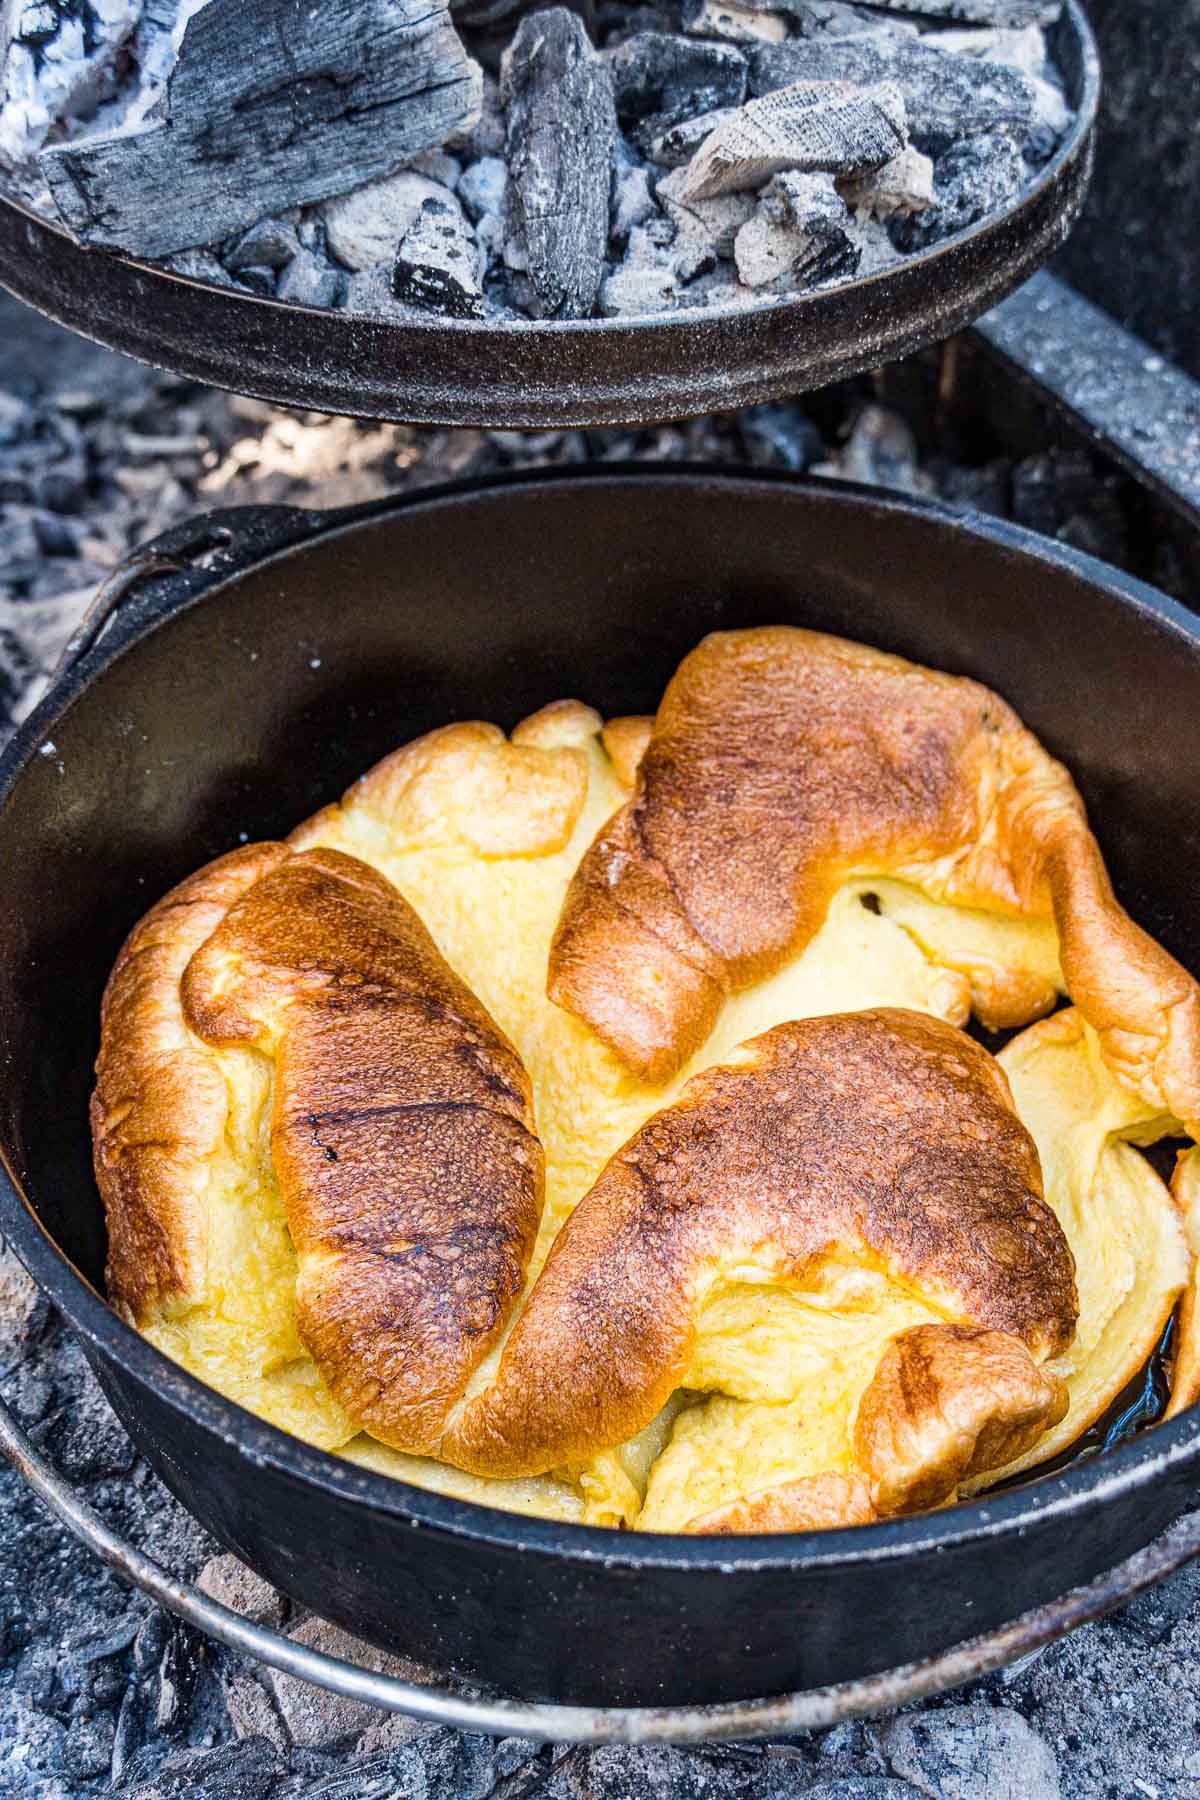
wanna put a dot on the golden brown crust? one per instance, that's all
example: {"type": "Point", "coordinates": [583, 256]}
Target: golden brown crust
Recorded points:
{"type": "Point", "coordinates": [402, 1134]}
{"type": "Point", "coordinates": [783, 761]}
{"type": "Point", "coordinates": [888, 1134]}
{"type": "Point", "coordinates": [470, 784]}
{"type": "Point", "coordinates": [947, 1402]}
{"type": "Point", "coordinates": [813, 1503]}
{"type": "Point", "coordinates": [159, 1107]}
{"type": "Point", "coordinates": [626, 740]}
{"type": "Point", "coordinates": [1185, 1372]}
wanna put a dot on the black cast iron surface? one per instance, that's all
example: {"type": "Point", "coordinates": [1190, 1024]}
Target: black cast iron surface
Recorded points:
{"type": "Point", "coordinates": [584, 372]}
{"type": "Point", "coordinates": [189, 726]}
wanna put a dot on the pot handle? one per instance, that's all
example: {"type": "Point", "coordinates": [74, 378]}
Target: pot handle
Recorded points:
{"type": "Point", "coordinates": [812, 1710]}
{"type": "Point", "coordinates": [215, 545]}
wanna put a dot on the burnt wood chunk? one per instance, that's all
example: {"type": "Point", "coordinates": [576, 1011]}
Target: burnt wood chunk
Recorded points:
{"type": "Point", "coordinates": [946, 97]}
{"type": "Point", "coordinates": [272, 104]}
{"type": "Point", "coordinates": [660, 78]}
{"type": "Point", "coordinates": [824, 125]}
{"type": "Point", "coordinates": [562, 128]}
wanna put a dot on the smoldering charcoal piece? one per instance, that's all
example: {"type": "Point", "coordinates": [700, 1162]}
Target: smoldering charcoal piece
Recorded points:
{"type": "Point", "coordinates": [660, 78]}
{"type": "Point", "coordinates": [813, 125]}
{"type": "Point", "coordinates": [973, 179]}
{"type": "Point", "coordinates": [799, 236]}
{"type": "Point", "coordinates": [562, 129]}
{"type": "Point", "coordinates": [779, 19]}
{"type": "Point", "coordinates": [974, 12]}
{"type": "Point", "coordinates": [272, 104]}
{"type": "Point", "coordinates": [270, 244]}
{"type": "Point", "coordinates": [946, 97]}
{"type": "Point", "coordinates": [437, 267]}
{"type": "Point", "coordinates": [309, 280]}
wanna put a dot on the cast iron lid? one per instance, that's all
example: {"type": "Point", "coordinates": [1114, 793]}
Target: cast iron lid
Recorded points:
{"type": "Point", "coordinates": [574, 373]}
{"type": "Point", "coordinates": [205, 557]}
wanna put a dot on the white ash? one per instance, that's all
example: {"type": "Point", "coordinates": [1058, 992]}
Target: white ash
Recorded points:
{"type": "Point", "coordinates": [705, 230]}
{"type": "Point", "coordinates": [632, 195]}
{"type": "Point", "coordinates": [308, 280]}
{"type": "Point", "coordinates": [483, 191]}
{"type": "Point", "coordinates": [646, 281]}
{"type": "Point", "coordinates": [57, 61]}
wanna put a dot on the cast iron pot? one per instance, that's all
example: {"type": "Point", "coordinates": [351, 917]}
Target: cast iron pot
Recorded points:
{"type": "Point", "coordinates": [265, 659]}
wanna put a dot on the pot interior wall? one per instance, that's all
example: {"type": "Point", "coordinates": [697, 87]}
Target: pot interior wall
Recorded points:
{"type": "Point", "coordinates": [264, 700]}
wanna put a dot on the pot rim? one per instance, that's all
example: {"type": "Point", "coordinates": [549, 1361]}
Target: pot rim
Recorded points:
{"type": "Point", "coordinates": [1065, 1495]}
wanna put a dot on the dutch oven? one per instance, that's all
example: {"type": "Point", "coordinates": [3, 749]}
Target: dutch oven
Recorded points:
{"type": "Point", "coordinates": [237, 676]}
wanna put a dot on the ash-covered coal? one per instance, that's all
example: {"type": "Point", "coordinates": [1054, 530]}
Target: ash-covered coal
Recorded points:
{"type": "Point", "coordinates": [523, 159]}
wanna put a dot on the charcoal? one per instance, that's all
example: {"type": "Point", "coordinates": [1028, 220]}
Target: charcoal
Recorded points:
{"type": "Point", "coordinates": [272, 104]}
{"type": "Point", "coordinates": [562, 130]}
{"type": "Point", "coordinates": [705, 230]}
{"type": "Point", "coordinates": [1022, 50]}
{"type": "Point", "coordinates": [903, 185]}
{"type": "Point", "coordinates": [246, 1771]}
{"type": "Point", "coordinates": [200, 265]}
{"type": "Point", "coordinates": [740, 24]}
{"type": "Point", "coordinates": [660, 78]}
{"type": "Point", "coordinates": [365, 227]}
{"type": "Point", "coordinates": [808, 127]}
{"type": "Point", "coordinates": [271, 244]}
{"type": "Point", "coordinates": [309, 280]}
{"type": "Point", "coordinates": [677, 146]}
{"type": "Point", "coordinates": [799, 236]}
{"type": "Point", "coordinates": [55, 56]}
{"type": "Point", "coordinates": [779, 19]}
{"type": "Point", "coordinates": [975, 178]}
{"type": "Point", "coordinates": [974, 12]}
{"type": "Point", "coordinates": [436, 265]}
{"type": "Point", "coordinates": [945, 97]}
{"type": "Point", "coordinates": [881, 451]}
